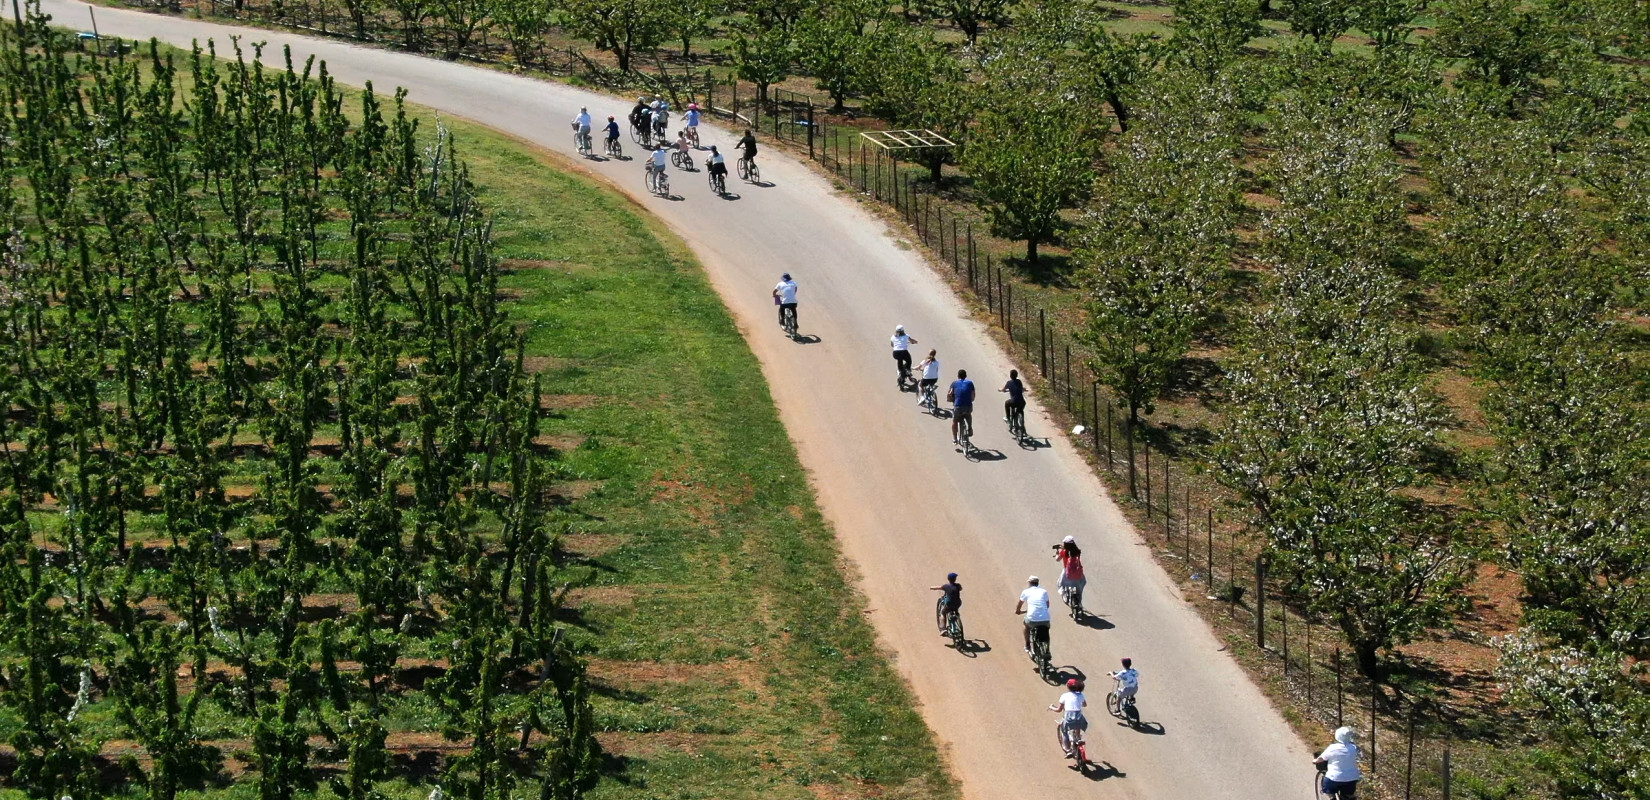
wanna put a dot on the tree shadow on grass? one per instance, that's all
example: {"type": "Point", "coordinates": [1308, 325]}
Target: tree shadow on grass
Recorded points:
{"type": "Point", "coordinates": [1051, 270]}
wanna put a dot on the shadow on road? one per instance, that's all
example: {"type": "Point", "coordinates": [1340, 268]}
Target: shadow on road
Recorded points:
{"type": "Point", "coordinates": [1096, 622]}
{"type": "Point", "coordinates": [807, 338]}
{"type": "Point", "coordinates": [982, 454]}
{"type": "Point", "coordinates": [1153, 728]}
{"type": "Point", "coordinates": [1029, 442]}
{"type": "Point", "coordinates": [1099, 771]}
{"type": "Point", "coordinates": [973, 647]}
{"type": "Point", "coordinates": [1058, 676]}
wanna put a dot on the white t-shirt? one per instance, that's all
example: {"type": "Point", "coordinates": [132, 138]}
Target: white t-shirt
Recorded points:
{"type": "Point", "coordinates": [1036, 600]}
{"type": "Point", "coordinates": [582, 120]}
{"type": "Point", "coordinates": [901, 342]}
{"type": "Point", "coordinates": [787, 292]}
{"type": "Point", "coordinates": [1128, 679]}
{"type": "Point", "coordinates": [1072, 703]}
{"type": "Point", "coordinates": [659, 158]}
{"type": "Point", "coordinates": [1343, 762]}
{"type": "Point", "coordinates": [931, 370]}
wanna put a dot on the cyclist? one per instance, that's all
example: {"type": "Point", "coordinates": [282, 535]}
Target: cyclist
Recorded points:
{"type": "Point", "coordinates": [717, 165]}
{"type": "Point", "coordinates": [1016, 395]}
{"type": "Point", "coordinates": [1128, 682]}
{"type": "Point", "coordinates": [682, 144]}
{"type": "Point", "coordinates": [950, 601]}
{"type": "Point", "coordinates": [902, 353]}
{"type": "Point", "coordinates": [661, 118]}
{"type": "Point", "coordinates": [961, 396]}
{"type": "Point", "coordinates": [1034, 605]}
{"type": "Point", "coordinates": [692, 120]}
{"type": "Point", "coordinates": [930, 367]}
{"type": "Point", "coordinates": [785, 293]}
{"type": "Point", "coordinates": [656, 164]}
{"type": "Point", "coordinates": [1339, 765]}
{"type": "Point", "coordinates": [1071, 568]}
{"type": "Point", "coordinates": [612, 130]}
{"type": "Point", "coordinates": [581, 124]}
{"type": "Point", "coordinates": [641, 116]}
{"type": "Point", "coordinates": [1071, 704]}
{"type": "Point", "coordinates": [748, 144]}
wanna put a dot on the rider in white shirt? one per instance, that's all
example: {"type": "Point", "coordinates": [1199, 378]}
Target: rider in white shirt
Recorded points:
{"type": "Point", "coordinates": [1128, 680]}
{"type": "Point", "coordinates": [581, 123]}
{"type": "Point", "coordinates": [930, 367]}
{"type": "Point", "coordinates": [1339, 762]}
{"type": "Point", "coordinates": [902, 352]}
{"type": "Point", "coordinates": [1034, 605]}
{"type": "Point", "coordinates": [786, 292]}
{"type": "Point", "coordinates": [1071, 705]}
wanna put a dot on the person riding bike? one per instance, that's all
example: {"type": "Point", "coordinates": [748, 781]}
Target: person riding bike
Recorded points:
{"type": "Point", "coordinates": [1016, 395]}
{"type": "Point", "coordinates": [1071, 705]}
{"type": "Point", "coordinates": [581, 126]}
{"type": "Point", "coordinates": [656, 164]}
{"type": "Point", "coordinates": [961, 396]}
{"type": "Point", "coordinates": [1339, 765]}
{"type": "Point", "coordinates": [785, 292]}
{"type": "Point", "coordinates": [930, 367]}
{"type": "Point", "coordinates": [661, 118]}
{"type": "Point", "coordinates": [950, 600]}
{"type": "Point", "coordinates": [718, 166]}
{"type": "Point", "coordinates": [692, 120]}
{"type": "Point", "coordinates": [1034, 605]}
{"type": "Point", "coordinates": [748, 144]}
{"type": "Point", "coordinates": [1071, 569]}
{"type": "Point", "coordinates": [641, 115]}
{"type": "Point", "coordinates": [682, 143]}
{"type": "Point", "coordinates": [902, 352]}
{"type": "Point", "coordinates": [612, 130]}
{"type": "Point", "coordinates": [1128, 682]}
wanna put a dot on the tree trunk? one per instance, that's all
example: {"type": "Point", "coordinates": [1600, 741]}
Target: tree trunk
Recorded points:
{"type": "Point", "coordinates": [934, 165]}
{"type": "Point", "coordinates": [1120, 109]}
{"type": "Point", "coordinates": [1031, 250]}
{"type": "Point", "coordinates": [687, 47]}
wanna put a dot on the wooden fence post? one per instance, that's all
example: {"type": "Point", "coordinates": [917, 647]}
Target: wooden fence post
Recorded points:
{"type": "Point", "coordinates": [1260, 600]}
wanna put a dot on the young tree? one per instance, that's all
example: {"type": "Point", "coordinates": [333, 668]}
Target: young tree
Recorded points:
{"type": "Point", "coordinates": [525, 23]}
{"type": "Point", "coordinates": [1157, 241]}
{"type": "Point", "coordinates": [1118, 66]}
{"type": "Point", "coordinates": [412, 15]}
{"type": "Point", "coordinates": [691, 20]}
{"type": "Point", "coordinates": [462, 20]}
{"type": "Point", "coordinates": [620, 27]}
{"type": "Point", "coordinates": [830, 46]}
{"type": "Point", "coordinates": [762, 55]}
{"type": "Point", "coordinates": [968, 15]}
{"type": "Point", "coordinates": [1502, 42]}
{"type": "Point", "coordinates": [1322, 21]}
{"type": "Point", "coordinates": [1388, 22]}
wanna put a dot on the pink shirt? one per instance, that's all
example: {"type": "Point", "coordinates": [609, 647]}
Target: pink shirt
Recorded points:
{"type": "Point", "coordinates": [1073, 566]}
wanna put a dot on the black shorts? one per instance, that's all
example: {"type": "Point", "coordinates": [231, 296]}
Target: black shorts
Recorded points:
{"type": "Point", "coordinates": [927, 383]}
{"type": "Point", "coordinates": [904, 358]}
{"type": "Point", "coordinates": [964, 414]}
{"type": "Point", "coordinates": [718, 168]}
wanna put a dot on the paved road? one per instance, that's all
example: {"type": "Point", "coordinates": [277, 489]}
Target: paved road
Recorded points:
{"type": "Point", "coordinates": [907, 507]}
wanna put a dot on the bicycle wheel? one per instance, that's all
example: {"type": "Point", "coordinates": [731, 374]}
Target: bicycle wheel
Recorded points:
{"type": "Point", "coordinates": [756, 173]}
{"type": "Point", "coordinates": [1082, 750]}
{"type": "Point", "coordinates": [664, 185]}
{"type": "Point", "coordinates": [955, 628]}
{"type": "Point", "coordinates": [635, 134]}
{"type": "Point", "coordinates": [1113, 705]}
{"type": "Point", "coordinates": [744, 170]}
{"type": "Point", "coordinates": [1044, 657]}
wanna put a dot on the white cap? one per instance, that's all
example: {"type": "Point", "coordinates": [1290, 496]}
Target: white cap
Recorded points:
{"type": "Point", "coordinates": [1345, 735]}
{"type": "Point", "coordinates": [1070, 540]}
{"type": "Point", "coordinates": [1032, 579]}
{"type": "Point", "coordinates": [899, 329]}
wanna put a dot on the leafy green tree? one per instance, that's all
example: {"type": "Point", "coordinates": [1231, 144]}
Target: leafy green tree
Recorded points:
{"type": "Point", "coordinates": [461, 20]}
{"type": "Point", "coordinates": [762, 55]}
{"type": "Point", "coordinates": [1502, 42]}
{"type": "Point", "coordinates": [692, 19]}
{"type": "Point", "coordinates": [524, 22]}
{"type": "Point", "coordinates": [1157, 241]}
{"type": "Point", "coordinates": [1593, 710]}
{"type": "Point", "coordinates": [1118, 66]}
{"type": "Point", "coordinates": [1210, 33]}
{"type": "Point", "coordinates": [412, 14]}
{"type": "Point", "coordinates": [359, 12]}
{"type": "Point", "coordinates": [970, 16]}
{"type": "Point", "coordinates": [1322, 21]}
{"type": "Point", "coordinates": [1330, 422]}
{"type": "Point", "coordinates": [1388, 22]}
{"type": "Point", "coordinates": [620, 27]}
{"type": "Point", "coordinates": [914, 82]}
{"type": "Point", "coordinates": [830, 46]}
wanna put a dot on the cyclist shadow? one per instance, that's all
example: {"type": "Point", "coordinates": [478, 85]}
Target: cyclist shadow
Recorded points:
{"type": "Point", "coordinates": [982, 454]}
{"type": "Point", "coordinates": [807, 338]}
{"type": "Point", "coordinates": [1099, 771]}
{"type": "Point", "coordinates": [973, 647]}
{"type": "Point", "coordinates": [1029, 442]}
{"type": "Point", "coordinates": [1150, 728]}
{"type": "Point", "coordinates": [1057, 676]}
{"type": "Point", "coordinates": [1094, 621]}
{"type": "Point", "coordinates": [730, 196]}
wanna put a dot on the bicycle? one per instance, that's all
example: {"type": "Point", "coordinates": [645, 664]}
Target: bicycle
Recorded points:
{"type": "Point", "coordinates": [787, 318]}
{"type": "Point", "coordinates": [1040, 654]}
{"type": "Point", "coordinates": [1074, 601]}
{"type": "Point", "coordinates": [637, 134]}
{"type": "Point", "coordinates": [953, 623]}
{"type": "Point", "coordinates": [657, 182]}
{"type": "Point", "coordinates": [748, 171]}
{"type": "Point", "coordinates": [718, 183]}
{"type": "Point", "coordinates": [614, 149]}
{"type": "Point", "coordinates": [581, 141]}
{"type": "Point", "coordinates": [693, 137]}
{"type": "Point", "coordinates": [929, 401]}
{"type": "Point", "coordinates": [904, 366]}
{"type": "Point", "coordinates": [681, 160]}
{"type": "Point", "coordinates": [1017, 423]}
{"type": "Point", "coordinates": [1121, 707]}
{"type": "Point", "coordinates": [965, 430]}
{"type": "Point", "coordinates": [1074, 743]}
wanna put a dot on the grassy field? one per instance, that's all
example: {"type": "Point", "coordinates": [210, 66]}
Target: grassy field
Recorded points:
{"type": "Point", "coordinates": [732, 657]}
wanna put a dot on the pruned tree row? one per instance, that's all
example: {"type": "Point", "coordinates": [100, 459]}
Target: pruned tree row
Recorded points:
{"type": "Point", "coordinates": [254, 353]}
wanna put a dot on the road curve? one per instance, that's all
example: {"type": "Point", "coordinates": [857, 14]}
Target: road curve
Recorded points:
{"type": "Point", "coordinates": [906, 506]}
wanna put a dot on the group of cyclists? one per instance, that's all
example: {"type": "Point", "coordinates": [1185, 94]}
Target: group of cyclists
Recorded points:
{"type": "Point", "coordinates": [961, 393]}
{"type": "Point", "coordinates": [650, 122]}
{"type": "Point", "coordinates": [1034, 610]}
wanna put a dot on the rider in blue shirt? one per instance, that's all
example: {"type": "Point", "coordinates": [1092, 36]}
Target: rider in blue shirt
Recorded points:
{"type": "Point", "coordinates": [1016, 395]}
{"type": "Point", "coordinates": [962, 402]}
